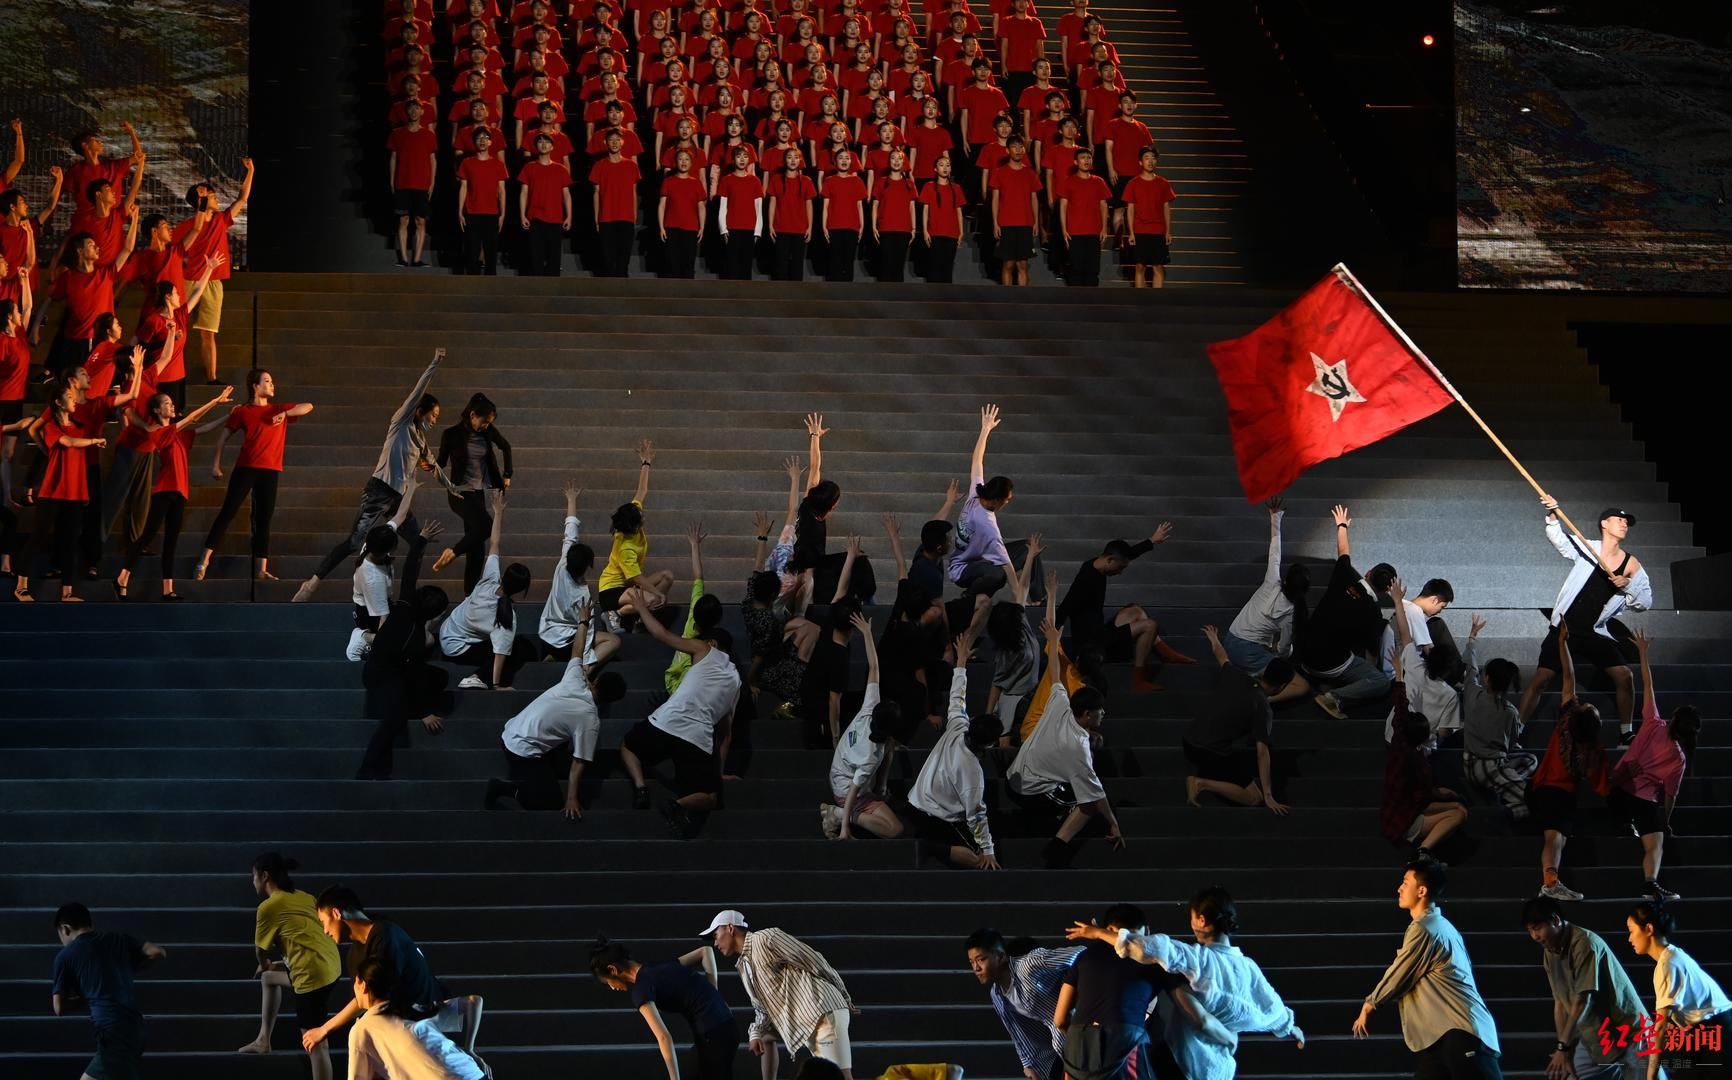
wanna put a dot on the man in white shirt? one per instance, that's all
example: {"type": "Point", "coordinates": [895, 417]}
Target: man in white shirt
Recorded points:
{"type": "Point", "coordinates": [568, 593]}
{"type": "Point", "coordinates": [1055, 765]}
{"type": "Point", "coordinates": [563, 715]}
{"type": "Point", "coordinates": [947, 804]}
{"type": "Point", "coordinates": [386, 1046]}
{"type": "Point", "coordinates": [691, 727]}
{"type": "Point", "coordinates": [798, 999]}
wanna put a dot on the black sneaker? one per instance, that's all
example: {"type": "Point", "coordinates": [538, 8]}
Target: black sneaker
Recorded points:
{"type": "Point", "coordinates": [1658, 893]}
{"type": "Point", "coordinates": [496, 790]}
{"type": "Point", "coordinates": [1625, 738]}
{"type": "Point", "coordinates": [680, 823]}
{"type": "Point", "coordinates": [402, 263]}
{"type": "Point", "coordinates": [640, 799]}
{"type": "Point", "coordinates": [1056, 854]}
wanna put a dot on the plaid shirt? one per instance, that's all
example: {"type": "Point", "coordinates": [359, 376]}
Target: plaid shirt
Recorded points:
{"type": "Point", "coordinates": [791, 985]}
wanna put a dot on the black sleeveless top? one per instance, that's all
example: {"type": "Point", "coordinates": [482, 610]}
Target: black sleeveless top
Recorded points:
{"type": "Point", "coordinates": [1584, 611]}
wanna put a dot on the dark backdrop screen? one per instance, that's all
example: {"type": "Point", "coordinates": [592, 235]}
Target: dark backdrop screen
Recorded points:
{"type": "Point", "coordinates": [1593, 145]}
{"type": "Point", "coordinates": [177, 69]}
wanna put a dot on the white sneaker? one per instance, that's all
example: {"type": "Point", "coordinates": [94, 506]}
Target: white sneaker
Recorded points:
{"type": "Point", "coordinates": [1560, 891]}
{"type": "Point", "coordinates": [614, 625]}
{"type": "Point", "coordinates": [1330, 704]}
{"type": "Point", "coordinates": [831, 817]}
{"type": "Point", "coordinates": [472, 682]}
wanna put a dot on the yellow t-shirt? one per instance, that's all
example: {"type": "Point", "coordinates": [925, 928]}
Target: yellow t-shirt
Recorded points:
{"type": "Point", "coordinates": [1037, 702]}
{"type": "Point", "coordinates": [625, 561]}
{"type": "Point", "coordinates": [288, 924]}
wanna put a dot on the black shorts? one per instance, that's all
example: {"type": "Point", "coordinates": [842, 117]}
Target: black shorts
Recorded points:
{"type": "Point", "coordinates": [11, 412]}
{"type": "Point", "coordinates": [1015, 243]}
{"type": "Point", "coordinates": [1233, 767]}
{"type": "Point", "coordinates": [1118, 198]}
{"type": "Point", "coordinates": [1151, 250]}
{"type": "Point", "coordinates": [119, 1052]}
{"type": "Point", "coordinates": [940, 832]}
{"type": "Point", "coordinates": [1644, 815]}
{"type": "Point", "coordinates": [548, 652]}
{"type": "Point", "coordinates": [313, 1008]}
{"type": "Point", "coordinates": [695, 772]}
{"type": "Point", "coordinates": [608, 599]}
{"type": "Point", "coordinates": [1596, 650]}
{"type": "Point", "coordinates": [1117, 644]}
{"type": "Point", "coordinates": [1552, 808]}
{"type": "Point", "coordinates": [411, 203]}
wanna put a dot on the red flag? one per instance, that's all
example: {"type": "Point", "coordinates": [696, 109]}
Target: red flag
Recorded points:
{"type": "Point", "coordinates": [1324, 376]}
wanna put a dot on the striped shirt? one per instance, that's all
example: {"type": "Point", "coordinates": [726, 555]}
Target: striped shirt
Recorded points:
{"type": "Point", "coordinates": [1028, 1004]}
{"type": "Point", "coordinates": [791, 985]}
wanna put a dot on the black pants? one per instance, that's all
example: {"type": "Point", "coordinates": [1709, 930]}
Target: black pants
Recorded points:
{"type": "Point", "coordinates": [8, 530]}
{"type": "Point", "coordinates": [940, 259]}
{"type": "Point", "coordinates": [58, 523]}
{"type": "Point", "coordinates": [534, 782]}
{"type": "Point", "coordinates": [523, 651]}
{"type": "Point", "coordinates": [790, 258]}
{"type": "Point", "coordinates": [893, 255]}
{"type": "Point", "coordinates": [90, 531]}
{"type": "Point", "coordinates": [546, 248]}
{"type": "Point", "coordinates": [1084, 260]}
{"type": "Point", "coordinates": [615, 238]}
{"type": "Point", "coordinates": [166, 510]}
{"type": "Point", "coordinates": [480, 244]}
{"type": "Point", "coordinates": [1015, 82]}
{"type": "Point", "coordinates": [844, 245]}
{"type": "Point", "coordinates": [477, 526]}
{"type": "Point", "coordinates": [715, 1050]}
{"type": "Point", "coordinates": [741, 252]}
{"type": "Point", "coordinates": [261, 484]}
{"type": "Point", "coordinates": [985, 578]}
{"type": "Point", "coordinates": [394, 697]}
{"type": "Point", "coordinates": [1459, 1055]}
{"type": "Point", "coordinates": [378, 505]}
{"type": "Point", "coordinates": [680, 254]}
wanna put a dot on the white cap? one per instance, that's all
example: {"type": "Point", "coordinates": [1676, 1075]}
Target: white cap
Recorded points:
{"type": "Point", "coordinates": [725, 918]}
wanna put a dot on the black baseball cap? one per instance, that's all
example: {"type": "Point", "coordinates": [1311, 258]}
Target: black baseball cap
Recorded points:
{"type": "Point", "coordinates": [1612, 511]}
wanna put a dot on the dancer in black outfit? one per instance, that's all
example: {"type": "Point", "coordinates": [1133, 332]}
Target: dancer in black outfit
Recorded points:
{"type": "Point", "coordinates": [400, 677]}
{"type": "Point", "coordinates": [466, 454]}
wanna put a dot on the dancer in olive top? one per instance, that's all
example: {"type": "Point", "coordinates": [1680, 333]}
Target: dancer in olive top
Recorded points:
{"type": "Point", "coordinates": [405, 450]}
{"type": "Point", "coordinates": [288, 925]}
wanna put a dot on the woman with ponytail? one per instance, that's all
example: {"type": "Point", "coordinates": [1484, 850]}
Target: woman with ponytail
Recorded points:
{"type": "Point", "coordinates": [287, 926]}
{"type": "Point", "coordinates": [169, 438]}
{"type": "Point", "coordinates": [482, 629]}
{"type": "Point", "coordinates": [982, 564]}
{"type": "Point", "coordinates": [1685, 996]}
{"type": "Point", "coordinates": [1646, 780]}
{"type": "Point", "coordinates": [1573, 758]}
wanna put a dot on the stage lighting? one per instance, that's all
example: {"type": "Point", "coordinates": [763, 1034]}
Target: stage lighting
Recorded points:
{"type": "Point", "coordinates": [1428, 41]}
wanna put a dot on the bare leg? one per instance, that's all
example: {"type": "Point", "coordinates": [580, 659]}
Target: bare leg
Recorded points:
{"type": "Point", "coordinates": [262, 570]}
{"type": "Point", "coordinates": [1298, 688]}
{"type": "Point", "coordinates": [633, 767]}
{"type": "Point", "coordinates": [403, 238]}
{"type": "Point", "coordinates": [965, 858]}
{"type": "Point", "coordinates": [420, 237]}
{"type": "Point", "coordinates": [606, 647]}
{"type": "Point", "coordinates": [320, 1059]}
{"type": "Point", "coordinates": [702, 800]}
{"type": "Point", "coordinates": [880, 821]}
{"type": "Point", "coordinates": [1653, 849]}
{"type": "Point", "coordinates": [1531, 692]}
{"type": "Point", "coordinates": [771, 1061]}
{"type": "Point", "coordinates": [1441, 819]}
{"type": "Point", "coordinates": [1073, 824]}
{"type": "Point", "coordinates": [208, 339]}
{"type": "Point", "coordinates": [1552, 855]}
{"type": "Point", "coordinates": [1160, 273]}
{"type": "Point", "coordinates": [272, 984]}
{"type": "Point", "coordinates": [1249, 795]}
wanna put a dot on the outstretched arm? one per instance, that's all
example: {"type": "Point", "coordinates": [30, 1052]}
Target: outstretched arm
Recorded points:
{"type": "Point", "coordinates": [697, 647]}
{"type": "Point", "coordinates": [193, 416]}
{"type": "Point", "coordinates": [1566, 667]}
{"type": "Point", "coordinates": [46, 214]}
{"type": "Point", "coordinates": [495, 506]}
{"type": "Point", "coordinates": [861, 623]}
{"type": "Point", "coordinates": [1650, 708]}
{"type": "Point", "coordinates": [761, 554]}
{"type": "Point", "coordinates": [1343, 524]}
{"type": "Point", "coordinates": [894, 532]}
{"type": "Point", "coordinates": [847, 575]}
{"type": "Point", "coordinates": [130, 242]}
{"type": "Point", "coordinates": [1213, 634]}
{"type": "Point", "coordinates": [1272, 573]}
{"type": "Point", "coordinates": [240, 202]}
{"type": "Point", "coordinates": [949, 504]}
{"type": "Point", "coordinates": [409, 403]}
{"type": "Point", "coordinates": [792, 465]}
{"type": "Point", "coordinates": [977, 463]}
{"type": "Point", "coordinates": [815, 447]}
{"type": "Point", "coordinates": [1019, 581]}
{"type": "Point", "coordinates": [198, 289]}
{"type": "Point", "coordinates": [695, 537]}
{"type": "Point", "coordinates": [646, 456]}
{"type": "Point", "coordinates": [17, 154]}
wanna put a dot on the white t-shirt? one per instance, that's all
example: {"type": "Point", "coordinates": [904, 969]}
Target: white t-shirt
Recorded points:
{"type": "Point", "coordinates": [471, 621]}
{"type": "Point", "coordinates": [1057, 752]}
{"type": "Point", "coordinates": [1681, 984]}
{"type": "Point", "coordinates": [705, 697]}
{"type": "Point", "coordinates": [1417, 632]}
{"type": "Point", "coordinates": [951, 785]}
{"type": "Point", "coordinates": [857, 759]}
{"type": "Point", "coordinates": [370, 589]}
{"type": "Point", "coordinates": [563, 713]}
{"type": "Point", "coordinates": [383, 1047]}
{"type": "Point", "coordinates": [565, 599]}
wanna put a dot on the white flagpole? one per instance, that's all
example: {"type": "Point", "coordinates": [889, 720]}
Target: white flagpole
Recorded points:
{"type": "Point", "coordinates": [1347, 278]}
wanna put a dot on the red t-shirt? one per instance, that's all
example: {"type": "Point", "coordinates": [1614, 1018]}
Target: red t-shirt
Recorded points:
{"type": "Point", "coordinates": [895, 200]}
{"type": "Point", "coordinates": [87, 296]}
{"type": "Point", "coordinates": [928, 144]}
{"type": "Point", "coordinates": [983, 104]}
{"type": "Point", "coordinates": [1014, 186]}
{"type": "Point", "coordinates": [414, 150]}
{"type": "Point", "coordinates": [108, 231]}
{"type": "Point", "coordinates": [1148, 200]}
{"type": "Point", "coordinates": [149, 267]}
{"type": "Point", "coordinates": [100, 366]}
{"type": "Point", "coordinates": [64, 477]}
{"type": "Point", "coordinates": [561, 144]}
{"type": "Point", "coordinates": [211, 240]}
{"type": "Point", "coordinates": [15, 247]}
{"type": "Point", "coordinates": [1033, 98]}
{"type": "Point", "coordinates": [684, 195]}
{"type": "Point", "coordinates": [484, 178]}
{"type": "Point", "coordinates": [742, 193]}
{"type": "Point", "coordinates": [1085, 194]}
{"type": "Point", "coordinates": [944, 200]}
{"type": "Point", "coordinates": [14, 367]}
{"type": "Point", "coordinates": [153, 331]}
{"type": "Point", "coordinates": [793, 197]}
{"type": "Point", "coordinates": [80, 173]}
{"type": "Point", "coordinates": [263, 448]}
{"type": "Point", "coordinates": [1020, 36]}
{"type": "Point", "coordinates": [1057, 158]}
{"type": "Point", "coordinates": [1128, 138]}
{"type": "Point", "coordinates": [843, 194]}
{"type": "Point", "coordinates": [617, 182]}
{"type": "Point", "coordinates": [171, 449]}
{"type": "Point", "coordinates": [546, 185]}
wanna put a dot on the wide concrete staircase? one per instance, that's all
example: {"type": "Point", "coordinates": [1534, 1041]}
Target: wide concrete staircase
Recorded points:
{"type": "Point", "coordinates": [150, 752]}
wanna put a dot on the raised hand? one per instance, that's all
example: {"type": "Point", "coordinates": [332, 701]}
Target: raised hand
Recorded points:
{"type": "Point", "coordinates": [695, 534]}
{"type": "Point", "coordinates": [432, 530]}
{"type": "Point", "coordinates": [1213, 633]}
{"type": "Point", "coordinates": [1549, 503]}
{"type": "Point", "coordinates": [988, 417]}
{"type": "Point", "coordinates": [952, 490]}
{"type": "Point", "coordinates": [815, 425]}
{"type": "Point", "coordinates": [860, 622]}
{"type": "Point", "coordinates": [1049, 629]}
{"type": "Point", "coordinates": [1475, 624]}
{"type": "Point", "coordinates": [1340, 516]}
{"type": "Point", "coordinates": [496, 501]}
{"type": "Point", "coordinates": [892, 528]}
{"type": "Point", "coordinates": [646, 452]}
{"type": "Point", "coordinates": [854, 546]}
{"type": "Point", "coordinates": [761, 523]}
{"type": "Point", "coordinates": [1397, 592]}
{"type": "Point", "coordinates": [1035, 546]}
{"type": "Point", "coordinates": [1052, 582]}
{"type": "Point", "coordinates": [1161, 533]}
{"type": "Point", "coordinates": [572, 490]}
{"type": "Point", "coordinates": [1274, 506]}
{"type": "Point", "coordinates": [439, 353]}
{"type": "Point", "coordinates": [1641, 640]}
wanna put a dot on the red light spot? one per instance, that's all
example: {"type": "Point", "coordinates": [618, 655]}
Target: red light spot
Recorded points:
{"type": "Point", "coordinates": [1428, 41]}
